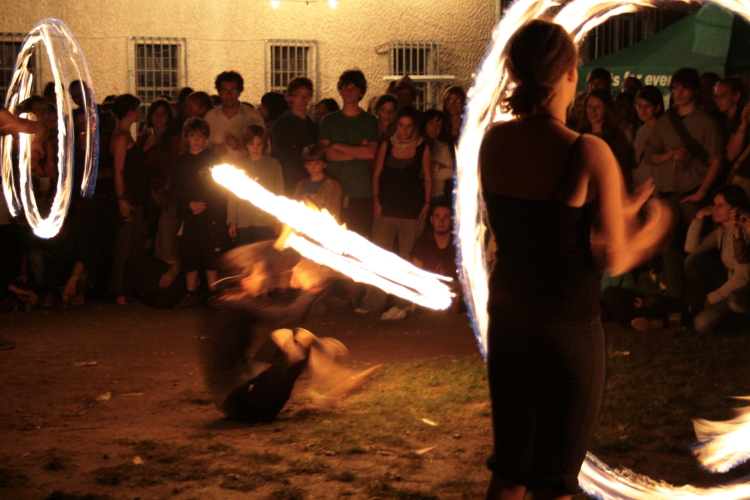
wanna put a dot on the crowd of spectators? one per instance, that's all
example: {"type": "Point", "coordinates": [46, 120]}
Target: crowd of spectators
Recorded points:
{"type": "Point", "coordinates": [157, 224]}
{"type": "Point", "coordinates": [692, 152]}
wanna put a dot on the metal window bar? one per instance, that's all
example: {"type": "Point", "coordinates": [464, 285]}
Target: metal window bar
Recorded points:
{"type": "Point", "coordinates": [288, 59]}
{"type": "Point", "coordinates": [10, 45]}
{"type": "Point", "coordinates": [417, 59]}
{"type": "Point", "coordinates": [159, 68]}
{"type": "Point", "coordinates": [625, 30]}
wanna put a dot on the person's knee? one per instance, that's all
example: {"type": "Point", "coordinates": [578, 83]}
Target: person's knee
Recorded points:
{"type": "Point", "coordinates": [739, 301]}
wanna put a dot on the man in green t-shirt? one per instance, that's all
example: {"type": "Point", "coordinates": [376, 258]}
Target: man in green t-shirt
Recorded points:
{"type": "Point", "coordinates": [350, 137]}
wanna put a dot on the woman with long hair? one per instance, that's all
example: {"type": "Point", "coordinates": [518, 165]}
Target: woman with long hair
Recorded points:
{"type": "Point", "coordinates": [599, 119]}
{"type": "Point", "coordinates": [649, 104]}
{"type": "Point", "coordinates": [544, 185]}
{"type": "Point", "coordinates": [132, 189]}
{"type": "Point", "coordinates": [454, 100]}
{"type": "Point", "coordinates": [160, 142]}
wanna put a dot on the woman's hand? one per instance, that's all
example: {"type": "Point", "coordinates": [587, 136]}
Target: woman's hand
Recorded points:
{"type": "Point", "coordinates": [197, 207]}
{"type": "Point", "coordinates": [704, 212]}
{"type": "Point", "coordinates": [166, 280]}
{"type": "Point", "coordinates": [233, 230]}
{"type": "Point", "coordinates": [425, 210]}
{"type": "Point", "coordinates": [125, 208]}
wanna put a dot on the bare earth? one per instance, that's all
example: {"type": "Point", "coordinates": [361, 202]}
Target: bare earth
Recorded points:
{"type": "Point", "coordinates": [85, 385]}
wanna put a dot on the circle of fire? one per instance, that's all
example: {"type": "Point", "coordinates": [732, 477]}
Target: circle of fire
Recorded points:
{"type": "Point", "coordinates": [730, 441]}
{"type": "Point", "coordinates": [68, 64]}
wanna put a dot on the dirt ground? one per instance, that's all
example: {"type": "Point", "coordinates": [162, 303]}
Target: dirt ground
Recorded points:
{"type": "Point", "coordinates": [84, 384]}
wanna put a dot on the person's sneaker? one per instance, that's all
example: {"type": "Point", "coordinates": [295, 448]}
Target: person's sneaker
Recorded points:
{"type": "Point", "coordinates": [188, 301]}
{"type": "Point", "coordinates": [78, 299]}
{"type": "Point", "coordinates": [646, 325]}
{"type": "Point", "coordinates": [394, 313]}
{"type": "Point", "coordinates": [6, 344]}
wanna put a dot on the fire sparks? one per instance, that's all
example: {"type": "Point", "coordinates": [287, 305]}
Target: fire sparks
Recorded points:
{"type": "Point", "coordinates": [67, 63]}
{"type": "Point", "coordinates": [328, 243]}
{"type": "Point", "coordinates": [725, 444]}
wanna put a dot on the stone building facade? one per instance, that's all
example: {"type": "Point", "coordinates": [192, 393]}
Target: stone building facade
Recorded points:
{"type": "Point", "coordinates": [151, 47]}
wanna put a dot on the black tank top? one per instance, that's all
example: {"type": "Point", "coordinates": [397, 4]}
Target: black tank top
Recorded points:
{"type": "Point", "coordinates": [544, 269]}
{"type": "Point", "coordinates": [401, 187]}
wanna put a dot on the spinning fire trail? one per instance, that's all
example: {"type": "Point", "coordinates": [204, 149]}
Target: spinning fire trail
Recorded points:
{"type": "Point", "coordinates": [490, 85]}
{"type": "Point", "coordinates": [68, 64]}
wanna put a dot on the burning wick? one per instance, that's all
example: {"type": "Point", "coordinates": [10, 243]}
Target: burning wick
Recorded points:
{"type": "Point", "coordinates": [320, 238]}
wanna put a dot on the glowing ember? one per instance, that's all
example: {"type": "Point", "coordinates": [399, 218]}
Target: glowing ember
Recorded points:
{"type": "Point", "coordinates": [723, 445]}
{"type": "Point", "coordinates": [67, 63]}
{"type": "Point", "coordinates": [490, 85]}
{"type": "Point", "coordinates": [328, 243]}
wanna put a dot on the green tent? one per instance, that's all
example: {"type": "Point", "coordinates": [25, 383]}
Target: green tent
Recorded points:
{"type": "Point", "coordinates": [709, 39]}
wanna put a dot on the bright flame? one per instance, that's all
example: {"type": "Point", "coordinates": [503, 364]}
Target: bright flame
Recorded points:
{"type": "Point", "coordinates": [723, 445]}
{"type": "Point", "coordinates": [333, 3]}
{"type": "Point", "coordinates": [328, 243]}
{"type": "Point", "coordinates": [490, 85]}
{"type": "Point", "coordinates": [275, 4]}
{"type": "Point", "coordinates": [67, 63]}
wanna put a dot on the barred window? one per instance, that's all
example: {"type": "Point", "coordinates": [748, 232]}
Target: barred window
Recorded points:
{"type": "Point", "coordinates": [288, 59]}
{"type": "Point", "coordinates": [10, 45]}
{"type": "Point", "coordinates": [158, 68]}
{"type": "Point", "coordinates": [415, 60]}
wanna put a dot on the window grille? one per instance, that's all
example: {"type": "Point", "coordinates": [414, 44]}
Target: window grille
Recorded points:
{"type": "Point", "coordinates": [415, 59]}
{"type": "Point", "coordinates": [158, 68]}
{"type": "Point", "coordinates": [10, 45]}
{"type": "Point", "coordinates": [622, 31]}
{"type": "Point", "coordinates": [288, 59]}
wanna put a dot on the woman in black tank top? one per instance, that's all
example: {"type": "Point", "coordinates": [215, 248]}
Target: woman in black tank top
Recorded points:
{"type": "Point", "coordinates": [544, 185]}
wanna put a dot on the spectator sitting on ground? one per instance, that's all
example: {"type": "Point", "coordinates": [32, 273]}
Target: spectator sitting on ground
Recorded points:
{"type": "Point", "coordinates": [63, 261]}
{"type": "Point", "coordinates": [711, 280]}
{"type": "Point", "coordinates": [229, 120]}
{"type": "Point", "coordinates": [293, 131]}
{"type": "Point", "coordinates": [319, 189]}
{"type": "Point", "coordinates": [248, 223]}
{"type": "Point", "coordinates": [202, 206]}
{"type": "Point", "coordinates": [731, 314]}
{"type": "Point", "coordinates": [434, 251]}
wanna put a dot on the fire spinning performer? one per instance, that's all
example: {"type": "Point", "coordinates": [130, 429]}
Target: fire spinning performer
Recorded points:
{"type": "Point", "coordinates": [251, 357]}
{"type": "Point", "coordinates": [544, 185]}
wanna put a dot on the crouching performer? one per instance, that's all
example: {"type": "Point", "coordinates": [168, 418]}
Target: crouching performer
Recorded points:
{"type": "Point", "coordinates": [251, 351]}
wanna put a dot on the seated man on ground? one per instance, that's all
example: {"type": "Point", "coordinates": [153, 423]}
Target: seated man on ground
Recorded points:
{"type": "Point", "coordinates": [434, 251]}
{"type": "Point", "coordinates": [710, 280]}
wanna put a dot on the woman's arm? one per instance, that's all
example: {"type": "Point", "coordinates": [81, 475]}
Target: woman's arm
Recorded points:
{"type": "Point", "coordinates": [624, 238]}
{"type": "Point", "coordinates": [380, 161]}
{"type": "Point", "coordinates": [119, 147]}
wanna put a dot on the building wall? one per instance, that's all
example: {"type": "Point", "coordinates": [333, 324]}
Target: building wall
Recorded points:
{"type": "Point", "coordinates": [224, 35]}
